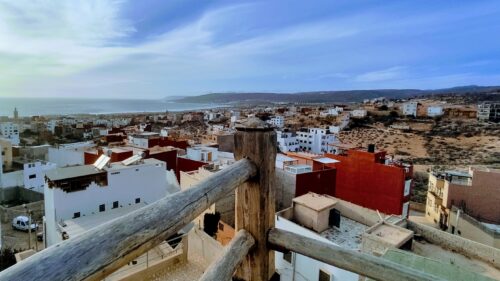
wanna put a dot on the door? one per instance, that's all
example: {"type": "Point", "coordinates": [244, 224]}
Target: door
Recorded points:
{"type": "Point", "coordinates": [334, 218]}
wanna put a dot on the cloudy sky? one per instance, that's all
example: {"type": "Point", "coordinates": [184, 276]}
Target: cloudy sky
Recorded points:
{"type": "Point", "coordinates": [156, 48]}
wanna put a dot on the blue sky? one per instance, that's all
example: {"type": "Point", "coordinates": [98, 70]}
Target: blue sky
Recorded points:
{"type": "Point", "coordinates": [154, 49]}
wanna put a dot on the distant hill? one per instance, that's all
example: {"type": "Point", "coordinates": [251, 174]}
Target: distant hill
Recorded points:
{"type": "Point", "coordinates": [333, 96]}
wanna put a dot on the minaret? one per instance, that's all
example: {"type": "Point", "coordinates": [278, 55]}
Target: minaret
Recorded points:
{"type": "Point", "coordinates": [16, 114]}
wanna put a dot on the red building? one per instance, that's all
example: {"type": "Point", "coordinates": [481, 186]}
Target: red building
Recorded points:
{"type": "Point", "coordinates": [366, 178]}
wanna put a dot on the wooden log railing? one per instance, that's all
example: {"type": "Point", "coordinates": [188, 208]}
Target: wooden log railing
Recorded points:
{"type": "Point", "coordinates": [102, 250]}
{"type": "Point", "coordinates": [353, 261]}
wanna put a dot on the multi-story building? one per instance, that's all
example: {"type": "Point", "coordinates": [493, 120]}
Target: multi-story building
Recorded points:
{"type": "Point", "coordinates": [277, 121]}
{"type": "Point", "coordinates": [315, 140]}
{"type": "Point", "coordinates": [410, 108]}
{"type": "Point", "coordinates": [465, 203]}
{"type": "Point", "coordinates": [6, 153]}
{"type": "Point", "coordinates": [287, 141]}
{"type": "Point", "coordinates": [370, 179]}
{"type": "Point", "coordinates": [34, 174]}
{"type": "Point", "coordinates": [10, 131]}
{"type": "Point", "coordinates": [69, 154]}
{"type": "Point", "coordinates": [99, 193]}
{"type": "Point", "coordinates": [489, 111]}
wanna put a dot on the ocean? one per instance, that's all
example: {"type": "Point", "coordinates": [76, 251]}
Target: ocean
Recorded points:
{"type": "Point", "coordinates": [65, 106]}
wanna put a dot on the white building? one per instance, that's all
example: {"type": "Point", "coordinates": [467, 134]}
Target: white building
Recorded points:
{"type": "Point", "coordinates": [315, 140]}
{"type": "Point", "coordinates": [142, 140]}
{"type": "Point", "coordinates": [69, 154]}
{"type": "Point", "coordinates": [99, 193]}
{"type": "Point", "coordinates": [287, 141]}
{"type": "Point", "coordinates": [277, 121]}
{"type": "Point", "coordinates": [435, 110]}
{"type": "Point", "coordinates": [309, 217]}
{"type": "Point", "coordinates": [34, 174]}
{"type": "Point", "coordinates": [51, 126]}
{"type": "Point", "coordinates": [410, 108]}
{"type": "Point", "coordinates": [10, 131]}
{"type": "Point", "coordinates": [358, 113]}
{"type": "Point", "coordinates": [164, 132]}
{"type": "Point", "coordinates": [202, 153]}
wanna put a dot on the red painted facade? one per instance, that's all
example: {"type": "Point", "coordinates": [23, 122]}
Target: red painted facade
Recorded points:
{"type": "Point", "coordinates": [187, 165]}
{"type": "Point", "coordinates": [320, 182]}
{"type": "Point", "coordinates": [363, 179]}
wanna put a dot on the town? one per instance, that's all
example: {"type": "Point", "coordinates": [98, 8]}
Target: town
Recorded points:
{"type": "Point", "coordinates": [411, 181]}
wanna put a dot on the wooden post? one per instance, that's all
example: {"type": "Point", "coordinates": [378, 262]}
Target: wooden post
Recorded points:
{"type": "Point", "coordinates": [255, 209]}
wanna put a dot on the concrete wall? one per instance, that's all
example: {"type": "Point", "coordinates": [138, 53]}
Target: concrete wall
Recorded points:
{"type": "Point", "coordinates": [37, 208]}
{"type": "Point", "coordinates": [472, 229]}
{"type": "Point", "coordinates": [19, 194]}
{"type": "Point", "coordinates": [285, 189]}
{"type": "Point", "coordinates": [458, 244]}
{"type": "Point", "coordinates": [204, 245]}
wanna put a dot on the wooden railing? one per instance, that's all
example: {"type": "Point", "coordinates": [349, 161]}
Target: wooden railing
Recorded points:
{"type": "Point", "coordinates": [100, 251]}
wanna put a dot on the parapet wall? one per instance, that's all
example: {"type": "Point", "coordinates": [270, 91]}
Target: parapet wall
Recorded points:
{"type": "Point", "coordinates": [458, 244]}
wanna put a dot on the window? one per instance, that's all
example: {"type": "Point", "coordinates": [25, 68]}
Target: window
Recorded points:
{"type": "Point", "coordinates": [288, 256]}
{"type": "Point", "coordinates": [324, 276]}
{"type": "Point", "coordinates": [76, 215]}
{"type": "Point", "coordinates": [459, 232]}
{"type": "Point", "coordinates": [137, 200]}
{"type": "Point", "coordinates": [221, 226]}
{"type": "Point", "coordinates": [115, 204]}
{"type": "Point", "coordinates": [32, 176]}
{"type": "Point", "coordinates": [102, 208]}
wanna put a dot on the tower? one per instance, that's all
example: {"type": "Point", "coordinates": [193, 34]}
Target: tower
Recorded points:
{"type": "Point", "coordinates": [16, 114]}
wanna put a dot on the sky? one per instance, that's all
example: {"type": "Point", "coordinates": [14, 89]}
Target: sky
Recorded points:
{"type": "Point", "coordinates": [154, 48]}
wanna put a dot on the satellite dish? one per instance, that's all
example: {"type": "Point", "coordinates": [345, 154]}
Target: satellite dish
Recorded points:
{"type": "Point", "coordinates": [143, 155]}
{"type": "Point", "coordinates": [109, 152]}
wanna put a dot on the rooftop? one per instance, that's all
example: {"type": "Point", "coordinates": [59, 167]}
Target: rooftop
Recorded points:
{"type": "Point", "coordinates": [348, 235]}
{"type": "Point", "coordinates": [390, 234]}
{"type": "Point", "coordinates": [315, 201]}
{"type": "Point", "coordinates": [72, 172]}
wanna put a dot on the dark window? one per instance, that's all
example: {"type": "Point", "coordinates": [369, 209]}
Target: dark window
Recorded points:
{"type": "Point", "coordinates": [102, 208]}
{"type": "Point", "coordinates": [459, 232]}
{"type": "Point", "coordinates": [137, 200]}
{"type": "Point", "coordinates": [76, 215]}
{"type": "Point", "coordinates": [323, 276]}
{"type": "Point", "coordinates": [115, 204]}
{"type": "Point", "coordinates": [221, 226]}
{"type": "Point", "coordinates": [32, 176]}
{"type": "Point", "coordinates": [452, 230]}
{"type": "Point", "coordinates": [288, 256]}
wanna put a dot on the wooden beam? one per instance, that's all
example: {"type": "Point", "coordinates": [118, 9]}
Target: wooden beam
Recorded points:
{"type": "Point", "coordinates": [100, 251]}
{"type": "Point", "coordinates": [255, 198]}
{"type": "Point", "coordinates": [361, 263]}
{"type": "Point", "coordinates": [224, 267]}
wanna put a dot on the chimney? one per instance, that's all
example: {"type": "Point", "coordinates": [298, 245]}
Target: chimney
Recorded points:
{"type": "Point", "coordinates": [371, 148]}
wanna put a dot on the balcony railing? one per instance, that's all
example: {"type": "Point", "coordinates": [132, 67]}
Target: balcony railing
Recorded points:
{"type": "Point", "coordinates": [101, 251]}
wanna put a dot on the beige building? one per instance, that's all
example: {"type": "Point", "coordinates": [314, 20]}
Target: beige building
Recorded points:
{"type": "Point", "coordinates": [466, 204]}
{"type": "Point", "coordinates": [6, 150]}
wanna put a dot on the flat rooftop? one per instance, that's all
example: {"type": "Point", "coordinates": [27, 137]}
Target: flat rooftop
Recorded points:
{"type": "Point", "coordinates": [326, 160]}
{"type": "Point", "coordinates": [390, 234]}
{"type": "Point", "coordinates": [72, 172]}
{"type": "Point", "coordinates": [315, 201]}
{"type": "Point", "coordinates": [348, 235]}
{"type": "Point", "coordinates": [75, 227]}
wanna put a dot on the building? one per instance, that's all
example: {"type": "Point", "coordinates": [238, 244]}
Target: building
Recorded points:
{"type": "Point", "coordinates": [358, 113]}
{"type": "Point", "coordinates": [69, 154]}
{"type": "Point", "coordinates": [410, 108]}
{"type": "Point", "coordinates": [488, 111]}
{"type": "Point", "coordinates": [315, 140]}
{"type": "Point", "coordinates": [6, 153]}
{"type": "Point", "coordinates": [34, 174]}
{"type": "Point", "coordinates": [334, 221]}
{"type": "Point", "coordinates": [434, 111]}
{"type": "Point", "coordinates": [277, 121]}
{"type": "Point", "coordinates": [95, 191]}
{"type": "Point", "coordinates": [144, 139]}
{"type": "Point", "coordinates": [10, 131]}
{"type": "Point", "coordinates": [369, 179]}
{"type": "Point", "coordinates": [460, 112]}
{"type": "Point", "coordinates": [287, 141]}
{"type": "Point", "coordinates": [16, 113]}
{"type": "Point", "coordinates": [465, 203]}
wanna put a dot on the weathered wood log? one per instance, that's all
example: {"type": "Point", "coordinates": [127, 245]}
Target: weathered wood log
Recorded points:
{"type": "Point", "coordinates": [104, 249]}
{"type": "Point", "coordinates": [224, 267]}
{"type": "Point", "coordinates": [255, 198]}
{"type": "Point", "coordinates": [361, 263]}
